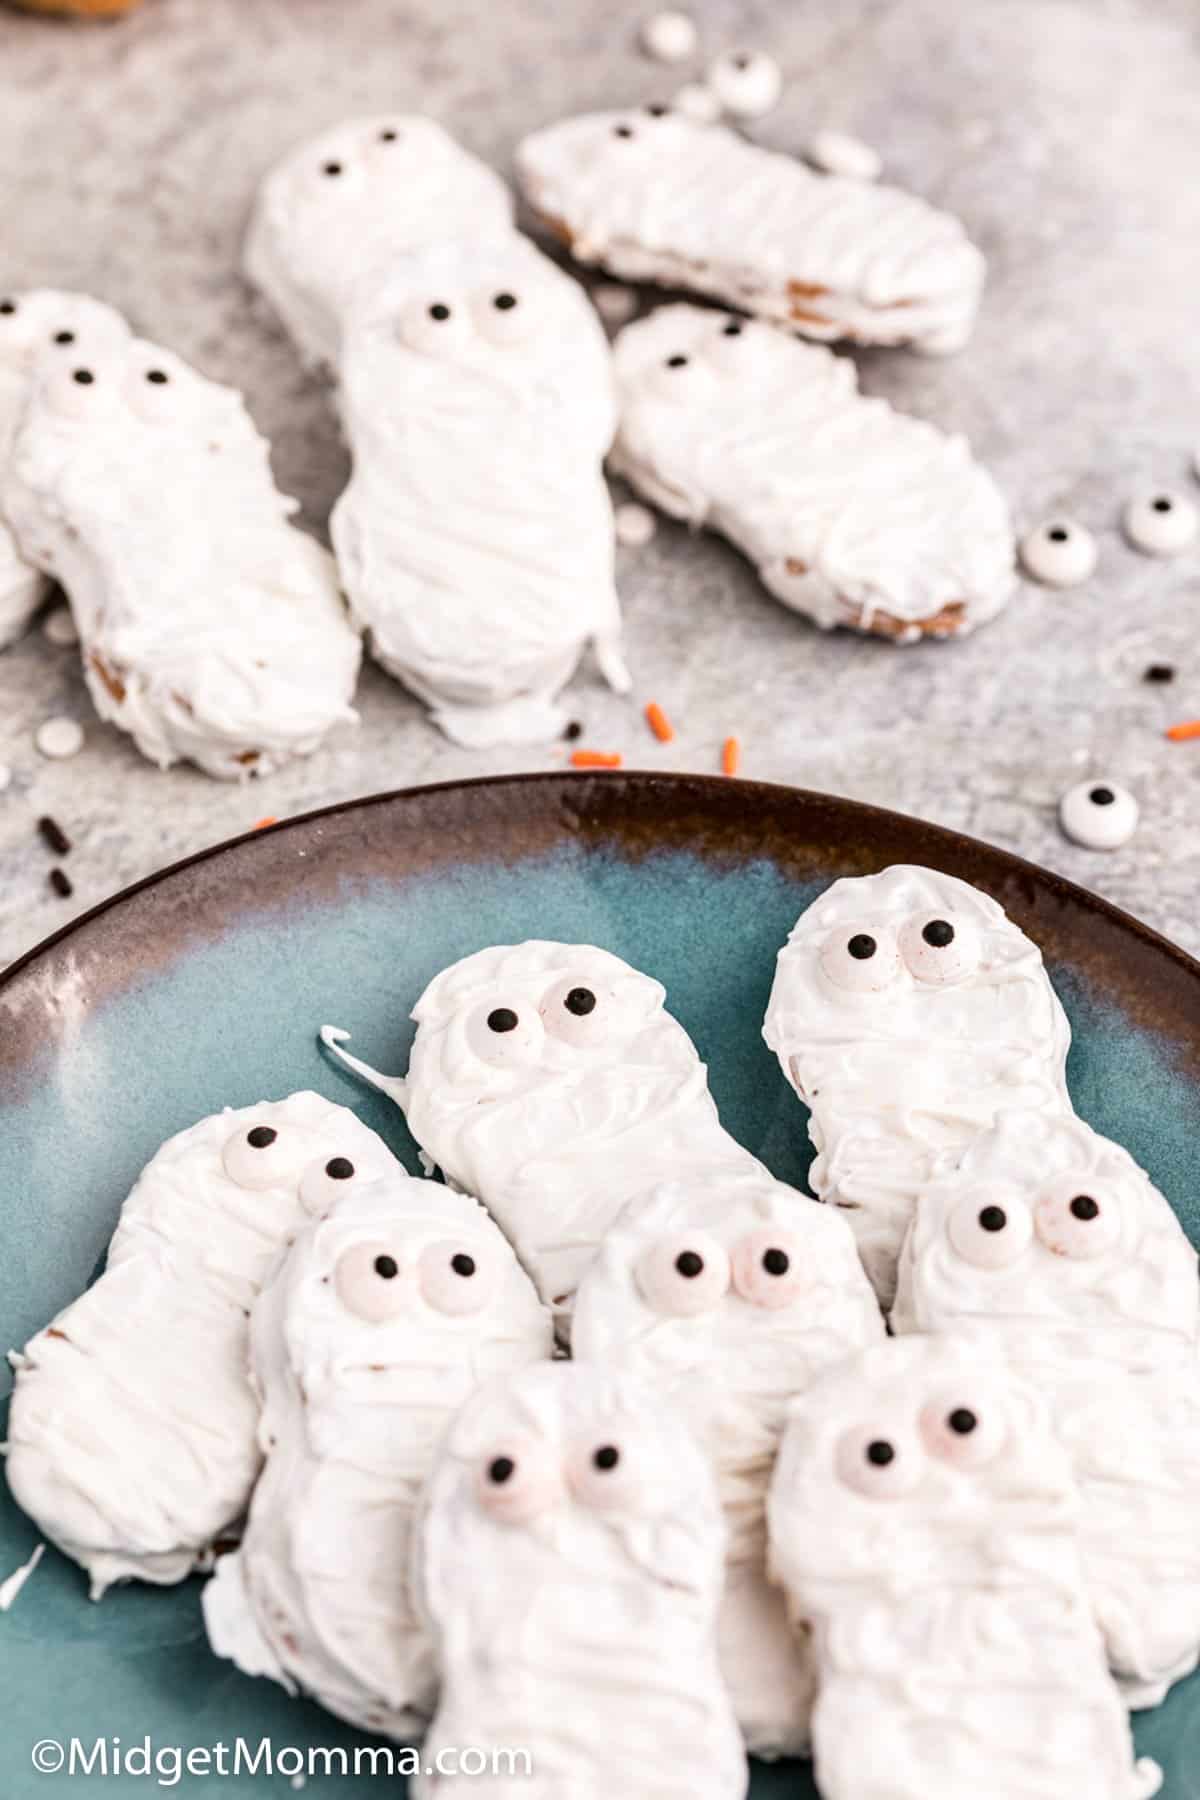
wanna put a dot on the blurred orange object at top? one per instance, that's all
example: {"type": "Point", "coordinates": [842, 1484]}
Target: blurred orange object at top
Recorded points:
{"type": "Point", "coordinates": [80, 9]}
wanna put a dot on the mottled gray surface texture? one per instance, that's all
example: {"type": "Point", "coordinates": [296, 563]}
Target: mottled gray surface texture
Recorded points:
{"type": "Point", "coordinates": [1067, 135]}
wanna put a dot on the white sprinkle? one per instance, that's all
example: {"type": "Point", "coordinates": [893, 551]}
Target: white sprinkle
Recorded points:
{"type": "Point", "coordinates": [299, 1781]}
{"type": "Point", "coordinates": [669, 37]}
{"type": "Point", "coordinates": [840, 154]}
{"type": "Point", "coordinates": [635, 525]}
{"type": "Point", "coordinates": [60, 627]}
{"type": "Point", "coordinates": [697, 103]}
{"type": "Point", "coordinates": [16, 1581]}
{"type": "Point", "coordinates": [1161, 523]}
{"type": "Point", "coordinates": [5, 776]}
{"type": "Point", "coordinates": [615, 304]}
{"type": "Point", "coordinates": [1060, 553]}
{"type": "Point", "coordinates": [58, 738]}
{"type": "Point", "coordinates": [746, 82]}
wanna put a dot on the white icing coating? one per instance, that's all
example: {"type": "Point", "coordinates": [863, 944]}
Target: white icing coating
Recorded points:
{"type": "Point", "coordinates": [31, 325]}
{"type": "Point", "coordinates": [211, 630]}
{"type": "Point", "coordinates": [635, 524]}
{"type": "Point", "coordinates": [59, 738]}
{"type": "Point", "coordinates": [852, 513]}
{"type": "Point", "coordinates": [1061, 553]}
{"type": "Point", "coordinates": [574, 1605]}
{"type": "Point", "coordinates": [1089, 1286]}
{"type": "Point", "coordinates": [1099, 814]}
{"type": "Point", "coordinates": [697, 102]}
{"type": "Point", "coordinates": [146, 1371]}
{"type": "Point", "coordinates": [60, 628]}
{"type": "Point", "coordinates": [955, 1646]}
{"type": "Point", "coordinates": [730, 1345]}
{"type": "Point", "coordinates": [747, 83]}
{"type": "Point", "coordinates": [838, 153]}
{"type": "Point", "coordinates": [362, 1351]}
{"type": "Point", "coordinates": [315, 238]}
{"type": "Point", "coordinates": [615, 304]}
{"type": "Point", "coordinates": [670, 199]}
{"type": "Point", "coordinates": [670, 37]}
{"type": "Point", "coordinates": [1161, 523]}
{"type": "Point", "coordinates": [475, 538]}
{"type": "Point", "coordinates": [902, 1076]}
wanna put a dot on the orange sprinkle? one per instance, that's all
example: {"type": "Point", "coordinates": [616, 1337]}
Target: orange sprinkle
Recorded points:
{"type": "Point", "coordinates": [1180, 734]}
{"type": "Point", "coordinates": [261, 824]}
{"type": "Point", "coordinates": [595, 759]}
{"type": "Point", "coordinates": [659, 723]}
{"type": "Point", "coordinates": [731, 756]}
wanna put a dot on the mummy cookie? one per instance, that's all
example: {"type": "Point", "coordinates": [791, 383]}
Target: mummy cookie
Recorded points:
{"type": "Point", "coordinates": [655, 196]}
{"type": "Point", "coordinates": [211, 630]}
{"type": "Point", "coordinates": [1050, 1241]}
{"type": "Point", "coordinates": [922, 1520]}
{"type": "Point", "coordinates": [375, 1327]}
{"type": "Point", "coordinates": [908, 1011]}
{"type": "Point", "coordinates": [32, 325]}
{"type": "Point", "coordinates": [725, 1295]}
{"type": "Point", "coordinates": [147, 1370]}
{"type": "Point", "coordinates": [475, 539]}
{"type": "Point", "coordinates": [570, 1562]}
{"type": "Point", "coordinates": [853, 514]}
{"type": "Point", "coordinates": [339, 209]}
{"type": "Point", "coordinates": [550, 1080]}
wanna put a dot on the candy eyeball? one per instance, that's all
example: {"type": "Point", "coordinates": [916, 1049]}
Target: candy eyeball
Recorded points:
{"type": "Point", "coordinates": [152, 390]}
{"type": "Point", "coordinates": [1099, 815]}
{"type": "Point", "coordinates": [965, 1431]}
{"type": "Point", "coordinates": [584, 1012]}
{"type": "Point", "coordinates": [767, 1268]}
{"type": "Point", "coordinates": [606, 1472]}
{"type": "Point", "coordinates": [746, 82]}
{"type": "Point", "coordinates": [370, 1282]}
{"type": "Point", "coordinates": [458, 1277]}
{"type": "Point", "coordinates": [518, 1479]}
{"type": "Point", "coordinates": [1162, 523]}
{"type": "Point", "coordinates": [325, 1181]}
{"type": "Point", "coordinates": [683, 377]}
{"type": "Point", "coordinates": [860, 959]}
{"type": "Point", "coordinates": [506, 1036]}
{"type": "Point", "coordinates": [1078, 1218]}
{"type": "Point", "coordinates": [938, 950]}
{"type": "Point", "coordinates": [434, 325]}
{"type": "Point", "coordinates": [506, 315]}
{"type": "Point", "coordinates": [879, 1462]}
{"type": "Point", "coordinates": [669, 37]}
{"type": "Point", "coordinates": [81, 392]}
{"type": "Point", "coordinates": [737, 346]}
{"type": "Point", "coordinates": [1059, 553]}
{"type": "Point", "coordinates": [261, 1156]}
{"type": "Point", "coordinates": [684, 1276]}
{"type": "Point", "coordinates": [990, 1230]}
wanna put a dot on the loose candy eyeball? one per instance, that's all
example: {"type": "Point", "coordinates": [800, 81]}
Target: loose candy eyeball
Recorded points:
{"type": "Point", "coordinates": [669, 37]}
{"type": "Point", "coordinates": [838, 153]}
{"type": "Point", "coordinates": [1100, 815]}
{"type": "Point", "coordinates": [1060, 553]}
{"type": "Point", "coordinates": [748, 83]}
{"type": "Point", "coordinates": [1161, 523]}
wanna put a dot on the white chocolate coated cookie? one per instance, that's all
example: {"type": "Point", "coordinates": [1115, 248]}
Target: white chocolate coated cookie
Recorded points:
{"type": "Point", "coordinates": [475, 539]}
{"type": "Point", "coordinates": [379, 1322]}
{"type": "Point", "coordinates": [923, 1522]}
{"type": "Point", "coordinates": [853, 514]}
{"type": "Point", "coordinates": [212, 631]}
{"type": "Point", "coordinates": [338, 210]}
{"type": "Point", "coordinates": [570, 1563]}
{"type": "Point", "coordinates": [147, 1371]}
{"type": "Point", "coordinates": [657, 196]}
{"type": "Point", "coordinates": [908, 1011]}
{"type": "Point", "coordinates": [725, 1295]}
{"type": "Point", "coordinates": [42, 322]}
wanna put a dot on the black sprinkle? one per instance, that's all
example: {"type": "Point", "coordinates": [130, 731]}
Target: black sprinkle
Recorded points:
{"type": "Point", "coordinates": [54, 835]}
{"type": "Point", "coordinates": [60, 881]}
{"type": "Point", "coordinates": [572, 731]}
{"type": "Point", "coordinates": [1159, 673]}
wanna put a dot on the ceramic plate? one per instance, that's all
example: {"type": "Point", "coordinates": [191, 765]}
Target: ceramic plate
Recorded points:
{"type": "Point", "coordinates": [205, 987]}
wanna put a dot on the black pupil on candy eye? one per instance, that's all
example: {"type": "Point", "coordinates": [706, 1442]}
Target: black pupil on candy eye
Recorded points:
{"type": "Point", "coordinates": [689, 1264]}
{"type": "Point", "coordinates": [862, 947]}
{"type": "Point", "coordinates": [1101, 796]}
{"type": "Point", "coordinates": [880, 1453]}
{"type": "Point", "coordinates": [938, 933]}
{"type": "Point", "coordinates": [623, 131]}
{"type": "Point", "coordinates": [339, 1168]}
{"type": "Point", "coordinates": [64, 337]}
{"type": "Point", "coordinates": [84, 377]}
{"type": "Point", "coordinates": [501, 1470]}
{"type": "Point", "coordinates": [462, 1264]}
{"type": "Point", "coordinates": [333, 168]}
{"type": "Point", "coordinates": [387, 1268]}
{"type": "Point", "coordinates": [8, 306]}
{"type": "Point", "coordinates": [676, 362]}
{"type": "Point", "coordinates": [1058, 534]}
{"type": "Point", "coordinates": [741, 62]}
{"type": "Point", "coordinates": [502, 1019]}
{"type": "Point", "coordinates": [776, 1262]}
{"type": "Point", "coordinates": [657, 112]}
{"type": "Point", "coordinates": [580, 1001]}
{"type": "Point", "coordinates": [733, 329]}
{"type": "Point", "coordinates": [1163, 505]}
{"type": "Point", "coordinates": [504, 302]}
{"type": "Point", "coordinates": [993, 1218]}
{"type": "Point", "coordinates": [438, 311]}
{"type": "Point", "coordinates": [607, 1457]}
{"type": "Point", "coordinates": [261, 1136]}
{"type": "Point", "coordinates": [387, 137]}
{"type": "Point", "coordinates": [962, 1421]}
{"type": "Point", "coordinates": [156, 376]}
{"type": "Point", "coordinates": [1084, 1207]}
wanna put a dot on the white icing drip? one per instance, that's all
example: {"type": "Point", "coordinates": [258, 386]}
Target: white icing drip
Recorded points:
{"type": "Point", "coordinates": [211, 629]}
{"type": "Point", "coordinates": [732, 1371]}
{"type": "Point", "coordinates": [146, 1371]}
{"type": "Point", "coordinates": [951, 1624]}
{"type": "Point", "coordinates": [318, 1595]}
{"type": "Point", "coordinates": [476, 536]}
{"type": "Point", "coordinates": [614, 1601]}
{"type": "Point", "coordinates": [853, 514]}
{"type": "Point", "coordinates": [11, 1586]}
{"type": "Point", "coordinates": [899, 1081]}
{"type": "Point", "coordinates": [673, 200]}
{"type": "Point", "coordinates": [314, 238]}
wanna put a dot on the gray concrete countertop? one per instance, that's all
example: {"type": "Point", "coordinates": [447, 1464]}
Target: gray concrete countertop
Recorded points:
{"type": "Point", "coordinates": [1065, 132]}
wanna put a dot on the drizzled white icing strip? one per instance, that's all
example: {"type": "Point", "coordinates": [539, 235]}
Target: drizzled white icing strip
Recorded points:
{"type": "Point", "coordinates": [725, 1295]}
{"type": "Point", "coordinates": [853, 514]}
{"type": "Point", "coordinates": [570, 1565]}
{"type": "Point", "coordinates": [908, 1011]}
{"type": "Point", "coordinates": [11, 1586]}
{"type": "Point", "coordinates": [657, 196]}
{"type": "Point", "coordinates": [211, 629]}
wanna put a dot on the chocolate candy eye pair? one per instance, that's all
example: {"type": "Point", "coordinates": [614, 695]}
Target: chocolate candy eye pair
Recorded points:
{"type": "Point", "coordinates": [1071, 1218]}
{"type": "Point", "coordinates": [683, 1277]}
{"type": "Point", "coordinates": [936, 951]}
